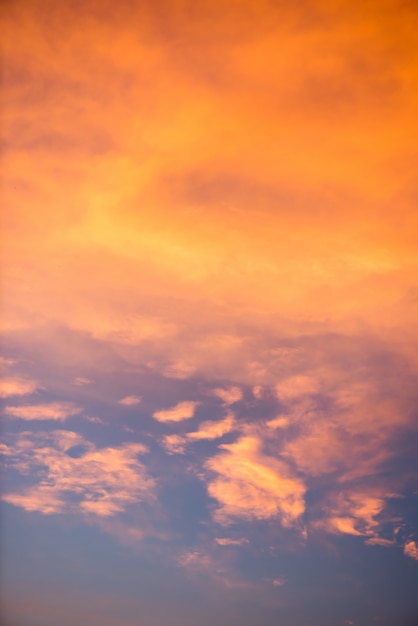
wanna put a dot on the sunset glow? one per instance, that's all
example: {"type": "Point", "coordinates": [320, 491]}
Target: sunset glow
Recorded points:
{"type": "Point", "coordinates": [209, 312]}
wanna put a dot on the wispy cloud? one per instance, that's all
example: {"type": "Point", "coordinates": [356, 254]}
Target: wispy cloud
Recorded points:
{"type": "Point", "coordinates": [355, 512]}
{"type": "Point", "coordinates": [178, 413]}
{"type": "Point", "coordinates": [130, 400]}
{"type": "Point", "coordinates": [82, 380]}
{"type": "Point", "coordinates": [208, 430]}
{"type": "Point", "coordinates": [48, 411]}
{"type": "Point", "coordinates": [227, 541]}
{"type": "Point", "coordinates": [212, 429]}
{"type": "Point", "coordinates": [250, 485]}
{"type": "Point", "coordinates": [73, 475]}
{"type": "Point", "coordinates": [174, 444]}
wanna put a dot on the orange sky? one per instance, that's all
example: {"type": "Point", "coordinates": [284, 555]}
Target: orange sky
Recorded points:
{"type": "Point", "coordinates": [249, 161]}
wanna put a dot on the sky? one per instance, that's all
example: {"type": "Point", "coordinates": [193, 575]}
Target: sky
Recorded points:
{"type": "Point", "coordinates": [209, 278]}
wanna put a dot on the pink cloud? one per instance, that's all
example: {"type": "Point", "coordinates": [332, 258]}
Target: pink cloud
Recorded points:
{"type": "Point", "coordinates": [178, 413]}
{"type": "Point", "coordinates": [105, 480]}
{"type": "Point", "coordinates": [48, 411]}
{"type": "Point", "coordinates": [229, 395]}
{"type": "Point", "coordinates": [226, 541]}
{"type": "Point", "coordinates": [355, 512]}
{"type": "Point", "coordinates": [130, 400]}
{"type": "Point", "coordinates": [81, 380]}
{"type": "Point", "coordinates": [212, 429]}
{"type": "Point", "coordinates": [17, 386]}
{"type": "Point", "coordinates": [174, 444]}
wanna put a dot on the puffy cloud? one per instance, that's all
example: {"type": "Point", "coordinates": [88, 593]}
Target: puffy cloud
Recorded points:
{"type": "Point", "coordinates": [130, 400]}
{"type": "Point", "coordinates": [229, 395]}
{"type": "Point", "coordinates": [73, 475]}
{"type": "Point", "coordinates": [48, 411]}
{"type": "Point", "coordinates": [17, 386]}
{"type": "Point", "coordinates": [251, 486]}
{"type": "Point", "coordinates": [411, 549]}
{"type": "Point", "coordinates": [178, 413]}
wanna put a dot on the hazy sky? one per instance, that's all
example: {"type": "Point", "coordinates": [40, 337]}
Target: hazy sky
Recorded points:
{"type": "Point", "coordinates": [209, 310]}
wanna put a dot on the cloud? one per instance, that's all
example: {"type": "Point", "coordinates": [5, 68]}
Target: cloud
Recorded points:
{"type": "Point", "coordinates": [95, 420]}
{"type": "Point", "coordinates": [213, 429]}
{"type": "Point", "coordinates": [130, 400]}
{"type": "Point", "coordinates": [226, 541]}
{"type": "Point", "coordinates": [178, 413]}
{"type": "Point", "coordinates": [278, 422]}
{"type": "Point", "coordinates": [229, 395]}
{"type": "Point", "coordinates": [380, 541]}
{"type": "Point", "coordinates": [48, 411]}
{"type": "Point", "coordinates": [73, 475]}
{"type": "Point", "coordinates": [252, 486]}
{"type": "Point", "coordinates": [411, 549]}
{"type": "Point", "coordinates": [174, 444]}
{"type": "Point", "coordinates": [195, 559]}
{"type": "Point", "coordinates": [355, 512]}
{"type": "Point", "coordinates": [81, 380]}
{"type": "Point", "coordinates": [17, 386]}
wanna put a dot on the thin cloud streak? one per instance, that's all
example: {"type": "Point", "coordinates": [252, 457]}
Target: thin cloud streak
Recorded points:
{"type": "Point", "coordinates": [130, 400]}
{"type": "Point", "coordinates": [48, 411]}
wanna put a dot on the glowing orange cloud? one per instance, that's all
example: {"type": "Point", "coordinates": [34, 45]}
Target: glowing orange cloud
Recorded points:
{"type": "Point", "coordinates": [250, 485]}
{"type": "Point", "coordinates": [411, 549]}
{"type": "Point", "coordinates": [182, 411]}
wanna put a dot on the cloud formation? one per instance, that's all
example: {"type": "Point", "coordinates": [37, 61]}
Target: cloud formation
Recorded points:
{"type": "Point", "coordinates": [229, 395]}
{"type": "Point", "coordinates": [208, 430]}
{"type": "Point", "coordinates": [72, 475]}
{"type": "Point", "coordinates": [178, 413]}
{"type": "Point", "coordinates": [411, 549]}
{"type": "Point", "coordinates": [249, 485]}
{"type": "Point", "coordinates": [130, 400]}
{"type": "Point", "coordinates": [47, 411]}
{"type": "Point", "coordinates": [17, 386]}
